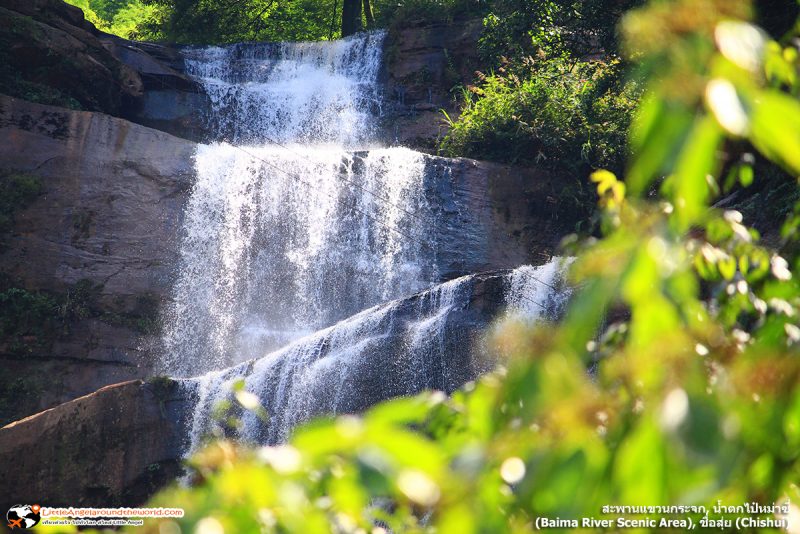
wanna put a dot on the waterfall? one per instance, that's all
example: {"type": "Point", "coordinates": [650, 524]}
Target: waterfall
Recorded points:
{"type": "Point", "coordinates": [289, 230]}
{"type": "Point", "coordinates": [311, 93]}
{"type": "Point", "coordinates": [267, 259]}
{"type": "Point", "coordinates": [433, 340]}
{"type": "Point", "coordinates": [311, 255]}
{"type": "Point", "coordinates": [534, 291]}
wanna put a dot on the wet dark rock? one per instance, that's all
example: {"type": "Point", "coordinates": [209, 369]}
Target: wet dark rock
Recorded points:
{"type": "Point", "coordinates": [171, 101]}
{"type": "Point", "coordinates": [497, 216]}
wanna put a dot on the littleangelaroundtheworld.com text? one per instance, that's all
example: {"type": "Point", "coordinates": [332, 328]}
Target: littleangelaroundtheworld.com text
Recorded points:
{"type": "Point", "coordinates": [121, 512]}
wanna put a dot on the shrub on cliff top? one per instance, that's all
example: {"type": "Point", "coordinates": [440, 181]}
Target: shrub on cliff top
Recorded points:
{"type": "Point", "coordinates": [555, 95]}
{"type": "Point", "coordinates": [549, 113]}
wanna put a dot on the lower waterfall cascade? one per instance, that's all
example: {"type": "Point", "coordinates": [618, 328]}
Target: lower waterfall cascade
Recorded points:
{"type": "Point", "coordinates": [433, 340]}
{"type": "Point", "coordinates": [310, 267]}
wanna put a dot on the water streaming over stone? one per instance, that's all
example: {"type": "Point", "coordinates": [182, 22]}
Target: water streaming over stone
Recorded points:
{"type": "Point", "coordinates": [267, 258]}
{"type": "Point", "coordinates": [433, 340]}
{"type": "Point", "coordinates": [283, 239]}
{"type": "Point", "coordinates": [317, 92]}
{"type": "Point", "coordinates": [298, 228]}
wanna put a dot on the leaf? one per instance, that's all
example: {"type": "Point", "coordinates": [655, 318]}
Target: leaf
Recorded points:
{"type": "Point", "coordinates": [658, 131]}
{"type": "Point", "coordinates": [746, 175]}
{"type": "Point", "coordinates": [697, 161]}
{"type": "Point", "coordinates": [640, 470]}
{"type": "Point", "coordinates": [775, 128]}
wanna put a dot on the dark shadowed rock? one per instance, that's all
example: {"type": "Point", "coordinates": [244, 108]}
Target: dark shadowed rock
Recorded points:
{"type": "Point", "coordinates": [171, 101]}
{"type": "Point", "coordinates": [51, 54]}
{"type": "Point", "coordinates": [55, 13]}
{"type": "Point", "coordinates": [495, 216]}
{"type": "Point", "coordinates": [113, 447]}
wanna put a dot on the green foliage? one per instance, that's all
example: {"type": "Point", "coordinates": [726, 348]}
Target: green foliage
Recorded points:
{"type": "Point", "coordinates": [106, 9]}
{"type": "Point", "coordinates": [23, 313]}
{"type": "Point", "coordinates": [131, 19]}
{"type": "Point", "coordinates": [143, 318]}
{"type": "Point", "coordinates": [18, 87]}
{"type": "Point", "coordinates": [88, 13]}
{"type": "Point", "coordinates": [514, 27]}
{"type": "Point", "coordinates": [18, 395]}
{"type": "Point", "coordinates": [135, 20]}
{"type": "Point", "coordinates": [549, 100]}
{"type": "Point", "coordinates": [568, 117]}
{"type": "Point", "coordinates": [30, 321]}
{"type": "Point", "coordinates": [405, 13]}
{"type": "Point", "coordinates": [564, 28]}
{"type": "Point", "coordinates": [696, 391]}
{"type": "Point", "coordinates": [212, 22]}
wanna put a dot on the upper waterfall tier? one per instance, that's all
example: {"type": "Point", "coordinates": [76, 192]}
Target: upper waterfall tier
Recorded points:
{"type": "Point", "coordinates": [312, 93]}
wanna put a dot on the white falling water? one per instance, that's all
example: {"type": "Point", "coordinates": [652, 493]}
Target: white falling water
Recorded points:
{"type": "Point", "coordinates": [268, 258]}
{"type": "Point", "coordinates": [431, 341]}
{"type": "Point", "coordinates": [290, 230]}
{"type": "Point", "coordinates": [284, 239]}
{"type": "Point", "coordinates": [536, 291]}
{"type": "Point", "coordinates": [320, 92]}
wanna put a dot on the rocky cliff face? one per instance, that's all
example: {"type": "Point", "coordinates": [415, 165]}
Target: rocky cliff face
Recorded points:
{"type": "Point", "coordinates": [97, 246]}
{"type": "Point", "coordinates": [170, 100]}
{"type": "Point", "coordinates": [421, 66]}
{"type": "Point", "coordinates": [114, 447]}
{"type": "Point", "coordinates": [496, 216]}
{"type": "Point", "coordinates": [50, 54]}
{"type": "Point", "coordinates": [93, 251]}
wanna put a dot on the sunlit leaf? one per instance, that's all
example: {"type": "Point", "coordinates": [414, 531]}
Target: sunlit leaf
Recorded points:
{"type": "Point", "coordinates": [776, 128]}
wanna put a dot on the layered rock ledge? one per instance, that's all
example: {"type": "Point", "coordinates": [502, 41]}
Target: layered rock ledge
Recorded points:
{"type": "Point", "coordinates": [90, 256]}
{"type": "Point", "coordinates": [113, 447]}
